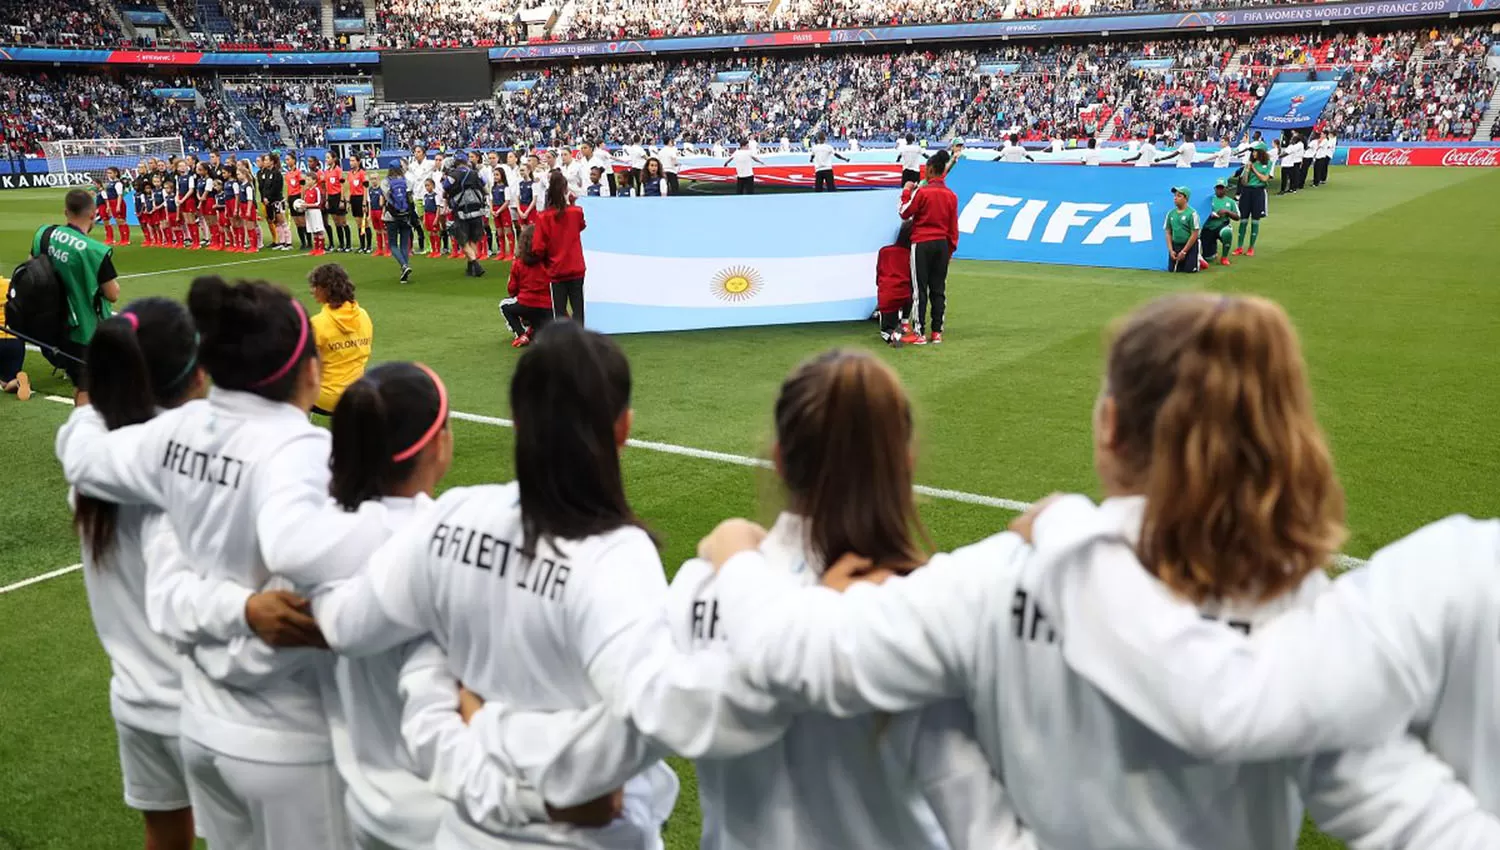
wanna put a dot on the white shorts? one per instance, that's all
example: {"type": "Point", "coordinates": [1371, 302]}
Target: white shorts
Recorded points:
{"type": "Point", "coordinates": [248, 805]}
{"type": "Point", "coordinates": [314, 220]}
{"type": "Point", "coordinates": [368, 841]}
{"type": "Point", "coordinates": [152, 766]}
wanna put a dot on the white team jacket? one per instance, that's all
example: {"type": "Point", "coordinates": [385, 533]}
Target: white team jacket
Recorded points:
{"type": "Point", "coordinates": [145, 685]}
{"type": "Point", "coordinates": [1083, 773]}
{"type": "Point", "coordinates": [244, 484]}
{"type": "Point", "coordinates": [557, 631]}
{"type": "Point", "coordinates": [1411, 640]}
{"type": "Point", "coordinates": [915, 780]}
{"type": "Point", "coordinates": [392, 716]}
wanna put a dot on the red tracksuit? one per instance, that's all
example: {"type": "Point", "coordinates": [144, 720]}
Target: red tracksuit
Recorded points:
{"type": "Point", "coordinates": [933, 210]}
{"type": "Point", "coordinates": [530, 286]}
{"type": "Point", "coordinates": [893, 279]}
{"type": "Point", "coordinates": [559, 239]}
{"type": "Point", "coordinates": [532, 289]}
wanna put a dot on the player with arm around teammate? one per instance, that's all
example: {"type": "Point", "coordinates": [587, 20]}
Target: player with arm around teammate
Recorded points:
{"type": "Point", "coordinates": [142, 360]}
{"type": "Point", "coordinates": [243, 478]}
{"type": "Point", "coordinates": [970, 624]}
{"type": "Point", "coordinates": [545, 610]}
{"type": "Point", "coordinates": [891, 782]}
{"type": "Point", "coordinates": [1405, 641]}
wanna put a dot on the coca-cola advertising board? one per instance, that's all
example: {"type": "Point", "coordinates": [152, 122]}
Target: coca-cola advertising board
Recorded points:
{"type": "Point", "coordinates": [1449, 157]}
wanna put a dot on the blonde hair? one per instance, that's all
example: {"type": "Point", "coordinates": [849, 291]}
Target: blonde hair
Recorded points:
{"type": "Point", "coordinates": [1214, 418]}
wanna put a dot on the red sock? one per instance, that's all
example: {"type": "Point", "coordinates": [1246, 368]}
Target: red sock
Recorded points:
{"type": "Point", "coordinates": [109, 233]}
{"type": "Point", "coordinates": [124, 233]}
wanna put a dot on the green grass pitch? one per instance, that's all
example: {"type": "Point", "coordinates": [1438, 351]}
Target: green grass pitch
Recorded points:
{"type": "Point", "coordinates": [1388, 273]}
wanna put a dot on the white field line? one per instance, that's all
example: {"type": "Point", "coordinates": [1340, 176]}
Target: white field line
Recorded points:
{"type": "Point", "coordinates": [1341, 562]}
{"type": "Point", "coordinates": [283, 256]}
{"type": "Point", "coordinates": [41, 578]}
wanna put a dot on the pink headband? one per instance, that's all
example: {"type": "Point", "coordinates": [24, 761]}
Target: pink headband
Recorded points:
{"type": "Point", "coordinates": [296, 351]}
{"type": "Point", "coordinates": [135, 323]}
{"type": "Point", "coordinates": [437, 424]}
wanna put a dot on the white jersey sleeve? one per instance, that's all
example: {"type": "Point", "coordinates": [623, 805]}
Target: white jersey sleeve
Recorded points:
{"type": "Point", "coordinates": [958, 783]}
{"type": "Point", "coordinates": [181, 605]}
{"type": "Point", "coordinates": [117, 466]}
{"type": "Point", "coordinates": [1382, 633]}
{"type": "Point", "coordinates": [383, 606]}
{"type": "Point", "coordinates": [687, 700]}
{"type": "Point", "coordinates": [1396, 796]}
{"type": "Point", "coordinates": [892, 647]}
{"type": "Point", "coordinates": [434, 732]}
{"type": "Point", "coordinates": [304, 536]}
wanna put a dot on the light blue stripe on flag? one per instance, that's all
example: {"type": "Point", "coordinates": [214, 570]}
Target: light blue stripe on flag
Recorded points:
{"type": "Point", "coordinates": [760, 226]}
{"type": "Point", "coordinates": [639, 318]}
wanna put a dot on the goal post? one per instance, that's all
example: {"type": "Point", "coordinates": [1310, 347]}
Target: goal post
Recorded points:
{"type": "Point", "coordinates": [81, 159]}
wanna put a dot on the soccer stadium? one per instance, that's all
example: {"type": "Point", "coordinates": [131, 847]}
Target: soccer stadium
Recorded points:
{"type": "Point", "coordinates": [638, 423]}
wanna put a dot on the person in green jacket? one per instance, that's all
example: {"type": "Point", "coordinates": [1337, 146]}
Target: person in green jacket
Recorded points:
{"type": "Point", "coordinates": [86, 268]}
{"type": "Point", "coordinates": [1218, 230]}
{"type": "Point", "coordinates": [1182, 226]}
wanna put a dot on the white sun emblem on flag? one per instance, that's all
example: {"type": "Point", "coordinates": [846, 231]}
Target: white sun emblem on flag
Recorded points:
{"type": "Point", "coordinates": [736, 284]}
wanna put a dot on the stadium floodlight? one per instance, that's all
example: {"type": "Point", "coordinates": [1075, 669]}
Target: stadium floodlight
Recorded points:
{"type": "Point", "coordinates": [81, 159]}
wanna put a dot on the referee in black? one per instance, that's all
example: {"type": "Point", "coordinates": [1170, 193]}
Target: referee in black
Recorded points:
{"type": "Point", "coordinates": [272, 188]}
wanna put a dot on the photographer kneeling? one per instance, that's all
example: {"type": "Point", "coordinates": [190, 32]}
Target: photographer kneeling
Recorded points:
{"type": "Point", "coordinates": [469, 201]}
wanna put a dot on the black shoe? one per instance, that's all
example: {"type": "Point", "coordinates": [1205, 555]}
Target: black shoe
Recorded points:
{"type": "Point", "coordinates": [478, 269]}
{"type": "Point", "coordinates": [406, 275]}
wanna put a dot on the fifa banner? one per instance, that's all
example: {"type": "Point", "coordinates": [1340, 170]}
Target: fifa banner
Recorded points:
{"type": "Point", "coordinates": [687, 263]}
{"type": "Point", "coordinates": [1111, 217]}
{"type": "Point", "coordinates": [1291, 106]}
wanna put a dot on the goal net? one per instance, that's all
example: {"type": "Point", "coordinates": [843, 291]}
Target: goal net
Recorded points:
{"type": "Point", "coordinates": [80, 159]}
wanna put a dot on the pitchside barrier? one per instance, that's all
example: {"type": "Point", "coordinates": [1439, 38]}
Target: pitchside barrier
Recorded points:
{"type": "Point", "coordinates": [867, 168]}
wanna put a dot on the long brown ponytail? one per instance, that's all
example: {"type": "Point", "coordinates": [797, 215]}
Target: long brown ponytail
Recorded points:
{"type": "Point", "coordinates": [844, 431]}
{"type": "Point", "coordinates": [1215, 417]}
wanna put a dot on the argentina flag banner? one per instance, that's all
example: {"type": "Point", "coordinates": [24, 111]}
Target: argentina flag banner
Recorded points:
{"type": "Point", "coordinates": [686, 263]}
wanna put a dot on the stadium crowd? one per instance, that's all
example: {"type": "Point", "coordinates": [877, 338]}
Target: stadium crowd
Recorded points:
{"type": "Point", "coordinates": [68, 23]}
{"type": "Point", "coordinates": [434, 23]}
{"type": "Point", "coordinates": [38, 107]}
{"type": "Point", "coordinates": [1405, 86]}
{"type": "Point", "coordinates": [599, 20]}
{"type": "Point", "coordinates": [306, 107]}
{"type": "Point", "coordinates": [447, 23]}
{"type": "Point", "coordinates": [1038, 91]}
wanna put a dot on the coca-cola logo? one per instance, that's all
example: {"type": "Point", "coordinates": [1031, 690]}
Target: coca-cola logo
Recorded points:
{"type": "Point", "coordinates": [1472, 157]}
{"type": "Point", "coordinates": [1383, 156]}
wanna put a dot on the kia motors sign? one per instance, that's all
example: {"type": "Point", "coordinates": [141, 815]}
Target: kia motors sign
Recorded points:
{"type": "Point", "coordinates": [1450, 157]}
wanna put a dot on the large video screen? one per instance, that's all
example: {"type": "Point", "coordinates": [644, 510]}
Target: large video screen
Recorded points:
{"type": "Point", "coordinates": [452, 76]}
